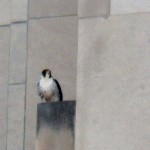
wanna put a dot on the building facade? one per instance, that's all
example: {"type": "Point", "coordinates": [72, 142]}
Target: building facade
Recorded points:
{"type": "Point", "coordinates": [98, 50]}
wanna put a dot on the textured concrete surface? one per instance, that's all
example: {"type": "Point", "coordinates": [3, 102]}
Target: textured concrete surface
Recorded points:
{"type": "Point", "coordinates": [3, 116]}
{"type": "Point", "coordinates": [52, 44]}
{"type": "Point", "coordinates": [19, 10]}
{"type": "Point", "coordinates": [94, 8]}
{"type": "Point", "coordinates": [129, 6]}
{"type": "Point", "coordinates": [113, 67]}
{"type": "Point", "coordinates": [16, 117]}
{"type": "Point", "coordinates": [5, 10]}
{"type": "Point", "coordinates": [48, 139]}
{"type": "Point", "coordinates": [113, 106]}
{"type": "Point", "coordinates": [13, 11]}
{"type": "Point", "coordinates": [18, 52]}
{"type": "Point", "coordinates": [38, 8]}
{"type": "Point", "coordinates": [55, 126]}
{"type": "Point", "coordinates": [4, 60]}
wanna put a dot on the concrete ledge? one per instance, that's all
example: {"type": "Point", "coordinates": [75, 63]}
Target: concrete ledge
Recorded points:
{"type": "Point", "coordinates": [55, 126]}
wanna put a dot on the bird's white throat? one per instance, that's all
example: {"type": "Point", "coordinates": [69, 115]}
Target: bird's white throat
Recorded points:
{"type": "Point", "coordinates": [46, 83]}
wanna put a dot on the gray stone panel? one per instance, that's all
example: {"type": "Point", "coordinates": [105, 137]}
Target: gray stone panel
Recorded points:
{"type": "Point", "coordinates": [19, 10]}
{"type": "Point", "coordinates": [52, 44]}
{"type": "Point", "coordinates": [129, 6]}
{"type": "Point", "coordinates": [5, 10]}
{"type": "Point", "coordinates": [113, 108]}
{"type": "Point", "coordinates": [93, 8]}
{"type": "Point", "coordinates": [18, 52]}
{"type": "Point", "coordinates": [3, 116]}
{"type": "Point", "coordinates": [4, 60]}
{"type": "Point", "coordinates": [48, 8]}
{"type": "Point", "coordinates": [16, 105]}
{"type": "Point", "coordinates": [55, 126]}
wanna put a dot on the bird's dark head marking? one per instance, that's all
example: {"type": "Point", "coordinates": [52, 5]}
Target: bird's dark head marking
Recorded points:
{"type": "Point", "coordinates": [46, 73]}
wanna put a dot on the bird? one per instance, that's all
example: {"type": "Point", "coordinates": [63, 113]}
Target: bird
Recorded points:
{"type": "Point", "coordinates": [49, 88]}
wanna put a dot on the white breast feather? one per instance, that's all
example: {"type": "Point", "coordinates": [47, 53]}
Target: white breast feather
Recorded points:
{"type": "Point", "coordinates": [47, 85]}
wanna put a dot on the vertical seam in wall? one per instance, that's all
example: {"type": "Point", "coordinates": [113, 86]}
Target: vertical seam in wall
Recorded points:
{"type": "Point", "coordinates": [76, 80]}
{"type": "Point", "coordinates": [8, 84]}
{"type": "Point", "coordinates": [77, 52]}
{"type": "Point", "coordinates": [8, 73]}
{"type": "Point", "coordinates": [25, 99]}
{"type": "Point", "coordinates": [109, 8]}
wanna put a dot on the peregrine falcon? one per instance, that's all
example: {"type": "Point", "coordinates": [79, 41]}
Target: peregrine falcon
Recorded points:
{"type": "Point", "coordinates": [48, 88]}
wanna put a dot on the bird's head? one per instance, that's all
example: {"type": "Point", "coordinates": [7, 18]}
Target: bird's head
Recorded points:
{"type": "Point", "coordinates": [46, 73]}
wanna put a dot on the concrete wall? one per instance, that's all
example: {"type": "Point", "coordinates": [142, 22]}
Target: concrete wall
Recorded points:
{"type": "Point", "coordinates": [34, 35]}
{"type": "Point", "coordinates": [111, 67]}
{"type": "Point", "coordinates": [113, 76]}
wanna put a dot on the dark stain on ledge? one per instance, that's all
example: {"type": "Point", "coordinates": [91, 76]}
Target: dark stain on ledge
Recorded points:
{"type": "Point", "coordinates": [56, 115]}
